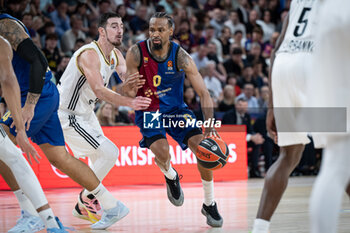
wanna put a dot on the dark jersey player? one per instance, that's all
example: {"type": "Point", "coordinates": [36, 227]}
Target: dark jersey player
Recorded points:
{"type": "Point", "coordinates": [164, 65]}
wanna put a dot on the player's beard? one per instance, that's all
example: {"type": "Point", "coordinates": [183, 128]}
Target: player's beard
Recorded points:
{"type": "Point", "coordinates": [115, 43]}
{"type": "Point", "coordinates": [157, 46]}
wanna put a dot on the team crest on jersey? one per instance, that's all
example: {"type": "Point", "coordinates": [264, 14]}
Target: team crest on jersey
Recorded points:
{"type": "Point", "coordinates": [170, 65]}
{"type": "Point", "coordinates": [112, 64]}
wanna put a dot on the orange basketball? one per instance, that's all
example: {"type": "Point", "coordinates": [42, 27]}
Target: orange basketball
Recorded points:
{"type": "Point", "coordinates": [212, 153]}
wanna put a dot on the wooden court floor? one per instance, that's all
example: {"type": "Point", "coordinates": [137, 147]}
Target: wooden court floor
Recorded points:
{"type": "Point", "coordinates": [150, 210]}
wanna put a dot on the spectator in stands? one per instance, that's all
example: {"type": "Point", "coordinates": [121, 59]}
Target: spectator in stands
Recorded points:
{"type": "Point", "coordinates": [48, 28]}
{"type": "Point", "coordinates": [200, 57]}
{"type": "Point", "coordinates": [78, 43]}
{"type": "Point", "coordinates": [105, 114]}
{"type": "Point", "coordinates": [104, 6]}
{"type": "Point", "coordinates": [255, 56]}
{"type": "Point", "coordinates": [268, 145]}
{"type": "Point", "coordinates": [82, 11]}
{"type": "Point", "coordinates": [235, 63]}
{"type": "Point", "coordinates": [256, 37]}
{"type": "Point", "coordinates": [238, 40]}
{"type": "Point", "coordinates": [218, 65]}
{"type": "Point", "coordinates": [228, 101]}
{"type": "Point", "coordinates": [253, 17]}
{"type": "Point", "coordinates": [232, 80]}
{"type": "Point", "coordinates": [210, 37]}
{"type": "Point", "coordinates": [247, 95]}
{"type": "Point", "coordinates": [169, 5]}
{"type": "Point", "coordinates": [266, 25]}
{"type": "Point", "coordinates": [263, 99]}
{"type": "Point", "coordinates": [242, 10]}
{"type": "Point", "coordinates": [225, 42]}
{"type": "Point", "coordinates": [185, 36]}
{"type": "Point", "coordinates": [51, 51]}
{"type": "Point", "coordinates": [234, 24]}
{"type": "Point", "coordinates": [27, 20]}
{"type": "Point", "coordinates": [217, 21]}
{"type": "Point", "coordinates": [270, 45]}
{"type": "Point", "coordinates": [239, 116]}
{"type": "Point", "coordinates": [61, 67]}
{"type": "Point", "coordinates": [93, 30]}
{"type": "Point", "coordinates": [70, 37]}
{"type": "Point", "coordinates": [138, 22]}
{"type": "Point", "coordinates": [212, 81]}
{"type": "Point", "coordinates": [198, 36]}
{"type": "Point", "coordinates": [60, 18]}
{"type": "Point", "coordinates": [121, 118]}
{"type": "Point", "coordinates": [190, 99]}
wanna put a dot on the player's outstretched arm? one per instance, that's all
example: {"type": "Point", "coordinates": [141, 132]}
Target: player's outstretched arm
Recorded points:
{"type": "Point", "coordinates": [91, 71]}
{"type": "Point", "coordinates": [27, 50]}
{"type": "Point", "coordinates": [133, 81]}
{"type": "Point", "coordinates": [11, 93]}
{"type": "Point", "coordinates": [186, 63]}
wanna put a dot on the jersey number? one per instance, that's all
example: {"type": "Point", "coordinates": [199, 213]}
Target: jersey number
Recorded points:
{"type": "Point", "coordinates": [156, 80]}
{"type": "Point", "coordinates": [302, 23]}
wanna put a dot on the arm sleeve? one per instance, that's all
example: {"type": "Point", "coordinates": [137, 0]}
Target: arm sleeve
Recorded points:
{"type": "Point", "coordinates": [28, 51]}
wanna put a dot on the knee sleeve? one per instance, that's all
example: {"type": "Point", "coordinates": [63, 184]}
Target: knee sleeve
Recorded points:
{"type": "Point", "coordinates": [104, 159]}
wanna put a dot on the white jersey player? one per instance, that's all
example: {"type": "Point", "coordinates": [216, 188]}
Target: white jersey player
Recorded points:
{"type": "Point", "coordinates": [328, 86]}
{"type": "Point", "coordinates": [288, 75]}
{"type": "Point", "coordinates": [83, 83]}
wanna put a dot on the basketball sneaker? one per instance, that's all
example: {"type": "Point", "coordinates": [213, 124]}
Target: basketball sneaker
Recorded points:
{"type": "Point", "coordinates": [28, 223]}
{"type": "Point", "coordinates": [111, 216]}
{"type": "Point", "coordinates": [174, 191]}
{"type": "Point", "coordinates": [61, 228]}
{"type": "Point", "coordinates": [213, 217]}
{"type": "Point", "coordinates": [87, 208]}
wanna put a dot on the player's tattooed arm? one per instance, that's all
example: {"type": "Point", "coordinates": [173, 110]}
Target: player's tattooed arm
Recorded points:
{"type": "Point", "coordinates": [13, 32]}
{"type": "Point", "coordinates": [133, 80]}
{"type": "Point", "coordinates": [32, 98]}
{"type": "Point", "coordinates": [183, 59]}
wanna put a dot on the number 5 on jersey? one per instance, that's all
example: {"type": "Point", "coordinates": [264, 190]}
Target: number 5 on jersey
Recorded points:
{"type": "Point", "coordinates": [156, 80]}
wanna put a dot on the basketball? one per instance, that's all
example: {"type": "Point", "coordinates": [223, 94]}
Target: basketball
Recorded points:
{"type": "Point", "coordinates": [212, 153]}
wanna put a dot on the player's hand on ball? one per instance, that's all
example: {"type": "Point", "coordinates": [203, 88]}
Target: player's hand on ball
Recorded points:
{"type": "Point", "coordinates": [26, 147]}
{"type": "Point", "coordinates": [140, 103]}
{"type": "Point", "coordinates": [211, 132]}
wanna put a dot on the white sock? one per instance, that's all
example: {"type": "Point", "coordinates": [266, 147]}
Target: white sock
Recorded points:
{"type": "Point", "coordinates": [25, 203]}
{"type": "Point", "coordinates": [105, 198]}
{"type": "Point", "coordinates": [327, 193]}
{"type": "Point", "coordinates": [49, 218]}
{"type": "Point", "coordinates": [170, 174]}
{"type": "Point", "coordinates": [261, 226]}
{"type": "Point", "coordinates": [208, 187]}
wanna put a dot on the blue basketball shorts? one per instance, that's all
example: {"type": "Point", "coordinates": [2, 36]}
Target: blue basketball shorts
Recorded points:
{"type": "Point", "coordinates": [169, 124]}
{"type": "Point", "coordinates": [45, 126]}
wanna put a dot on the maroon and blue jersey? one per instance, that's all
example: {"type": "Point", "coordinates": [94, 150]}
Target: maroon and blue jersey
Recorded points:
{"type": "Point", "coordinates": [164, 85]}
{"type": "Point", "coordinates": [164, 82]}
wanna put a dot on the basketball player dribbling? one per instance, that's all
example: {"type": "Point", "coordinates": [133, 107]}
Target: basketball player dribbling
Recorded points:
{"type": "Point", "coordinates": [288, 75]}
{"type": "Point", "coordinates": [164, 65]}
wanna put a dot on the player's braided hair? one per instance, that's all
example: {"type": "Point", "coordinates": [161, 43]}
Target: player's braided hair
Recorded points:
{"type": "Point", "coordinates": [165, 16]}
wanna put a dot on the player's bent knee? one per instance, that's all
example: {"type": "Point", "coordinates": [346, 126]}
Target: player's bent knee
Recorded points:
{"type": "Point", "coordinates": [108, 150]}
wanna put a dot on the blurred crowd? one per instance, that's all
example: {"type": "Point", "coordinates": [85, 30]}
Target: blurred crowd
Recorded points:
{"type": "Point", "coordinates": [229, 40]}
